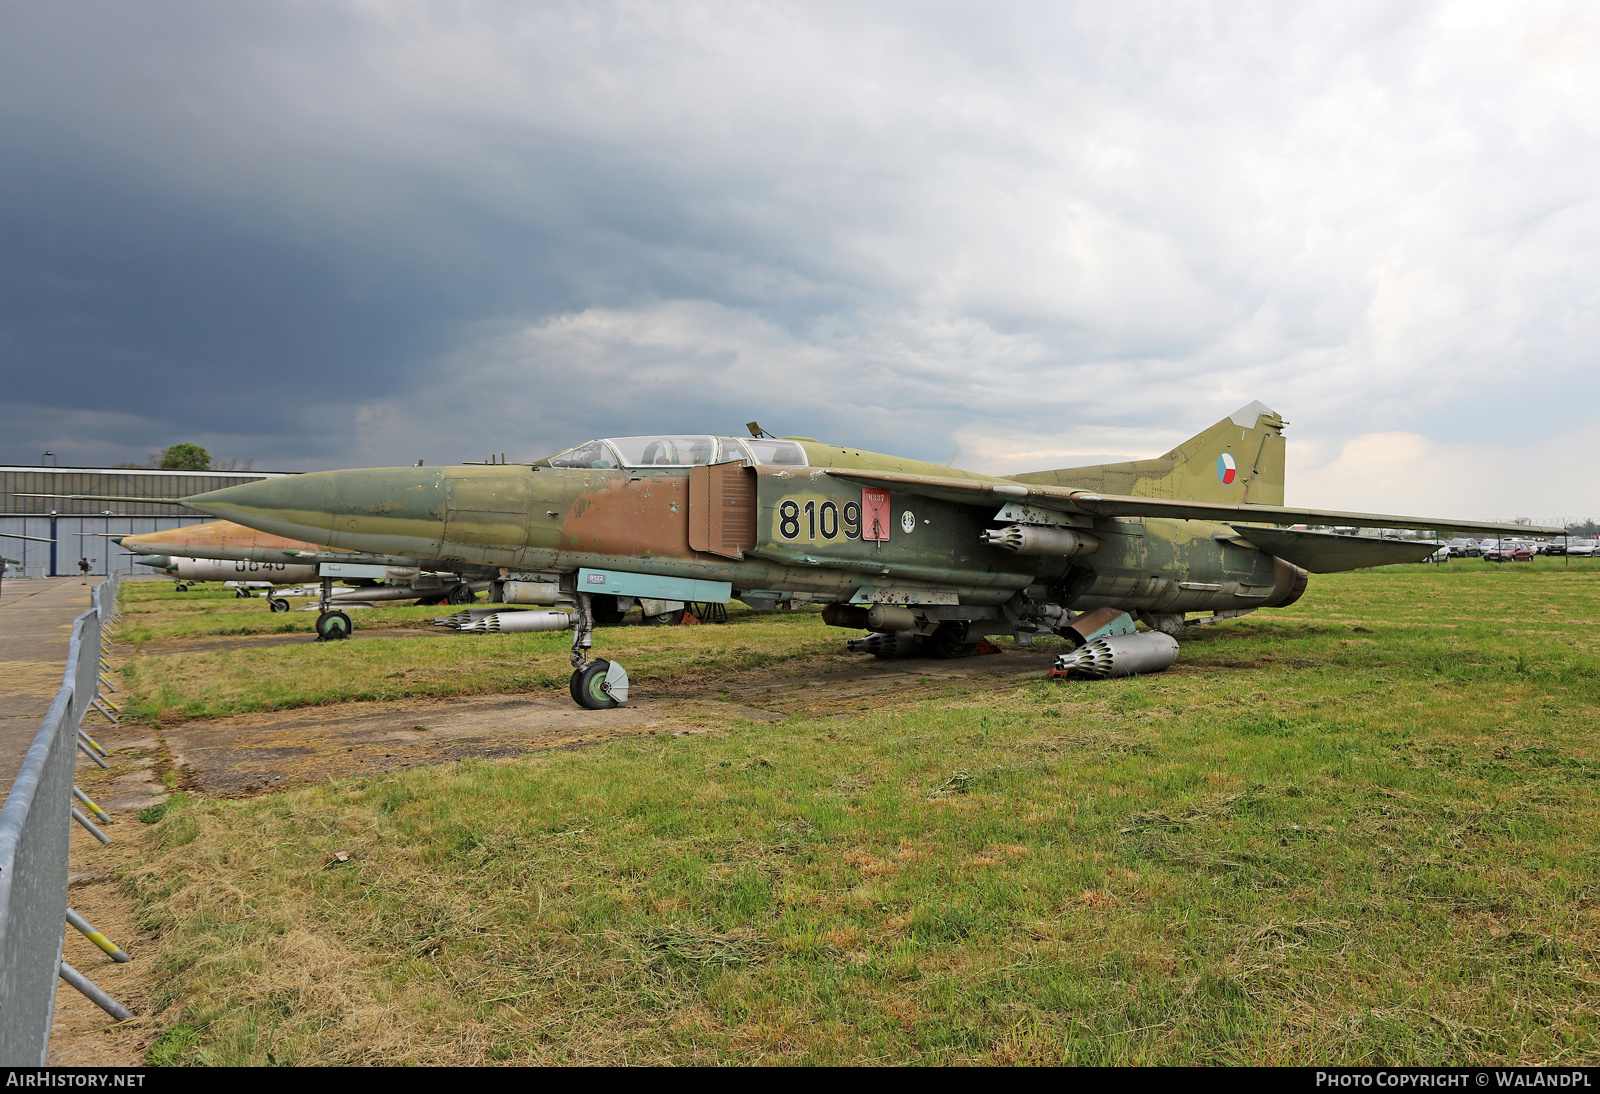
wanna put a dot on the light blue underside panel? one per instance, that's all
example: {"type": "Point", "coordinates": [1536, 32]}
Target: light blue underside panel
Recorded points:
{"type": "Point", "coordinates": [351, 569]}
{"type": "Point", "coordinates": [658, 588]}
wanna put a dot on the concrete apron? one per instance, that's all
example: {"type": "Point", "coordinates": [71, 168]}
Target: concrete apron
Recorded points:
{"type": "Point", "coordinates": [35, 626]}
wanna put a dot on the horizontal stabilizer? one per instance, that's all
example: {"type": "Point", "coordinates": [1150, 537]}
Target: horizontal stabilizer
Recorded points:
{"type": "Point", "coordinates": [995, 491]}
{"type": "Point", "coordinates": [1328, 553]}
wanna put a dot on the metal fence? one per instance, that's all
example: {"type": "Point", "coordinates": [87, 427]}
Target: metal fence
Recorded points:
{"type": "Point", "coordinates": [35, 837]}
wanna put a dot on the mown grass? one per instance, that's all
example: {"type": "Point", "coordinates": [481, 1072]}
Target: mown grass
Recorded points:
{"type": "Point", "coordinates": [1360, 830]}
{"type": "Point", "coordinates": [169, 679]}
{"type": "Point", "coordinates": [154, 611]}
{"type": "Point", "coordinates": [1473, 614]}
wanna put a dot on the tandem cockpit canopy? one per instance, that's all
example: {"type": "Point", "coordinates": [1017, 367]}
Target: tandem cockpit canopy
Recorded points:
{"type": "Point", "coordinates": [676, 451]}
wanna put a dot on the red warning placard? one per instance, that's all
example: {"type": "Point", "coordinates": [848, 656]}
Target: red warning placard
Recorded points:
{"type": "Point", "coordinates": [874, 514]}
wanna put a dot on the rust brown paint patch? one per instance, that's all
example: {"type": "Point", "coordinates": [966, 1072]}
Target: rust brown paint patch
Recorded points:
{"type": "Point", "coordinates": [216, 533]}
{"type": "Point", "coordinates": [636, 517]}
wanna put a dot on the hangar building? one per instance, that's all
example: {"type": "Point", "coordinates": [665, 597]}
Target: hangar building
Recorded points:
{"type": "Point", "coordinates": [79, 527]}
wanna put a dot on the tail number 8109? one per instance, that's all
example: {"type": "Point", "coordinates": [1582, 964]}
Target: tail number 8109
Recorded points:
{"type": "Point", "coordinates": [808, 520]}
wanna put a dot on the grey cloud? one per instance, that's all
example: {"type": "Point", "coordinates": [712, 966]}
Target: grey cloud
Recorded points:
{"type": "Point", "coordinates": [907, 222]}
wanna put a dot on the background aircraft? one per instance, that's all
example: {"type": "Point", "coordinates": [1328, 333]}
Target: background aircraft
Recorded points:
{"type": "Point", "coordinates": [923, 556]}
{"type": "Point", "coordinates": [224, 550]}
{"type": "Point", "coordinates": [6, 562]}
{"type": "Point", "coordinates": [221, 550]}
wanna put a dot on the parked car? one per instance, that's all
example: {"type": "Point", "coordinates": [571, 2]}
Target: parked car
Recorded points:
{"type": "Point", "coordinates": [1465, 548]}
{"type": "Point", "coordinates": [1509, 550]}
{"type": "Point", "coordinates": [1582, 548]}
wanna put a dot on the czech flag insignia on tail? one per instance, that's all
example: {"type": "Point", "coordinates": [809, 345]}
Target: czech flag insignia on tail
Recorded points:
{"type": "Point", "coordinates": [1226, 471]}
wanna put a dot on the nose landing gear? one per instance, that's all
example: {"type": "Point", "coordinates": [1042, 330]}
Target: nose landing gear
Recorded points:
{"type": "Point", "coordinates": [332, 625]}
{"type": "Point", "coordinates": [595, 685]}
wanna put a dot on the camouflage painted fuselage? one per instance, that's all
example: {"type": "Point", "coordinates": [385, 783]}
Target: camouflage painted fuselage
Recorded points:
{"type": "Point", "coordinates": [785, 529]}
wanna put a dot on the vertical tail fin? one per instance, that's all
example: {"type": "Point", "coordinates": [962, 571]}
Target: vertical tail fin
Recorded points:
{"type": "Point", "coordinates": [1240, 459]}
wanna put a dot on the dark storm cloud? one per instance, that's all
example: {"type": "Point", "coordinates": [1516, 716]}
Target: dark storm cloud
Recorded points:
{"type": "Point", "coordinates": [217, 220]}
{"type": "Point", "coordinates": [368, 233]}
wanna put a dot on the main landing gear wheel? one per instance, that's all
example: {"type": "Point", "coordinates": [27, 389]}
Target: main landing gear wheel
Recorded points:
{"type": "Point", "coordinates": [588, 686]}
{"type": "Point", "coordinates": [462, 594]}
{"type": "Point", "coordinates": [278, 604]}
{"type": "Point", "coordinates": [241, 594]}
{"type": "Point", "coordinates": [950, 641]}
{"type": "Point", "coordinates": [333, 626]}
{"type": "Point", "coordinates": [666, 619]}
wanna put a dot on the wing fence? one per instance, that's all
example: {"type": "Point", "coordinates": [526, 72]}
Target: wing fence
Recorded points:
{"type": "Point", "coordinates": [35, 836]}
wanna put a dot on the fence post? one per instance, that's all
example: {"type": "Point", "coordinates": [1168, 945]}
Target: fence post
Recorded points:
{"type": "Point", "coordinates": [105, 818]}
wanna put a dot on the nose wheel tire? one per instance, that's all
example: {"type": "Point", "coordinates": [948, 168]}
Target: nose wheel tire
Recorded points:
{"type": "Point", "coordinates": [278, 604]}
{"type": "Point", "coordinates": [333, 626]}
{"type": "Point", "coordinates": [588, 686]}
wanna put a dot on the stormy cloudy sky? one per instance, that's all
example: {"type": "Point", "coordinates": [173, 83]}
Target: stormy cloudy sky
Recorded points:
{"type": "Point", "coordinates": [350, 234]}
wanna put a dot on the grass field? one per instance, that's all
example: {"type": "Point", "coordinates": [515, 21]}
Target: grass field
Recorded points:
{"type": "Point", "coordinates": [1359, 830]}
{"type": "Point", "coordinates": [173, 674]}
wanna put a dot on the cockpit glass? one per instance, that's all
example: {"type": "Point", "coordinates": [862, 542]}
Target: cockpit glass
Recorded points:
{"type": "Point", "coordinates": [675, 451]}
{"type": "Point", "coordinates": [665, 451]}
{"type": "Point", "coordinates": [780, 453]}
{"type": "Point", "coordinates": [593, 454]}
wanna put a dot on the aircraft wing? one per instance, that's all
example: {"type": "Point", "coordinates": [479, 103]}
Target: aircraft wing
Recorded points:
{"type": "Point", "coordinates": [36, 539]}
{"type": "Point", "coordinates": [1087, 503]}
{"type": "Point", "coordinates": [1328, 553]}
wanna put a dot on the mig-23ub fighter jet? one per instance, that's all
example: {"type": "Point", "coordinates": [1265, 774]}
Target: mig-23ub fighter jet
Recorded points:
{"type": "Point", "coordinates": [221, 550]}
{"type": "Point", "coordinates": [916, 553]}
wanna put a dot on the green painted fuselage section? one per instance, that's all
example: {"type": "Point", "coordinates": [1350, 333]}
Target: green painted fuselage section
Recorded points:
{"type": "Point", "coordinates": [544, 518]}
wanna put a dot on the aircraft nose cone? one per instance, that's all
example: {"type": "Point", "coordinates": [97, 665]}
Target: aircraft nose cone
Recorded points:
{"type": "Point", "coordinates": [384, 510]}
{"type": "Point", "coordinates": [296, 506]}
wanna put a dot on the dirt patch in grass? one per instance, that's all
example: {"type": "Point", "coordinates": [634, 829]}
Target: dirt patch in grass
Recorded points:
{"type": "Point", "coordinates": [256, 752]}
{"type": "Point", "coordinates": [852, 683]}
{"type": "Point", "coordinates": [181, 646]}
{"type": "Point", "coordinates": [252, 753]}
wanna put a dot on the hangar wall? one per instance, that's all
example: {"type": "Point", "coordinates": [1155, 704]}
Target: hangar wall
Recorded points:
{"type": "Point", "coordinates": [79, 527]}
